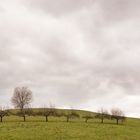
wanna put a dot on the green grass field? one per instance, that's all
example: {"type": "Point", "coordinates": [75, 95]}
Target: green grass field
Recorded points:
{"type": "Point", "coordinates": [35, 128]}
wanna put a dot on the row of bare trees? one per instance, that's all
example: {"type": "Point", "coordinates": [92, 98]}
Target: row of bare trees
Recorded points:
{"type": "Point", "coordinates": [46, 112]}
{"type": "Point", "coordinates": [115, 113]}
{"type": "Point", "coordinates": [22, 98]}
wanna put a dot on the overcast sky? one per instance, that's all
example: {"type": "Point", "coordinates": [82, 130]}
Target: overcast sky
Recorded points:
{"type": "Point", "coordinates": [83, 54]}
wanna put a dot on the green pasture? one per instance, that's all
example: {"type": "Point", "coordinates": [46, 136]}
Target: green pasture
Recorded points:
{"type": "Point", "coordinates": [35, 128]}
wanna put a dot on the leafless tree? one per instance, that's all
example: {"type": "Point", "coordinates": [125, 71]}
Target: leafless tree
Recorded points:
{"type": "Point", "coordinates": [21, 99]}
{"type": "Point", "coordinates": [102, 114]}
{"type": "Point", "coordinates": [87, 117]}
{"type": "Point", "coordinates": [71, 115]}
{"type": "Point", "coordinates": [117, 114]}
{"type": "Point", "coordinates": [43, 112]}
{"type": "Point", "coordinates": [3, 112]}
{"type": "Point", "coordinates": [51, 111]}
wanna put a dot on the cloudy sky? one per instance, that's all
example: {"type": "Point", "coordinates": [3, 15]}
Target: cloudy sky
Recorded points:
{"type": "Point", "coordinates": [83, 54]}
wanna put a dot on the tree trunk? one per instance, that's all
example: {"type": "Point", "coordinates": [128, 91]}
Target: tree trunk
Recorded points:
{"type": "Point", "coordinates": [24, 118]}
{"type": "Point", "coordinates": [67, 119]}
{"type": "Point", "coordinates": [117, 121]}
{"type": "Point", "coordinates": [102, 120]}
{"type": "Point", "coordinates": [1, 119]}
{"type": "Point", "coordinates": [46, 118]}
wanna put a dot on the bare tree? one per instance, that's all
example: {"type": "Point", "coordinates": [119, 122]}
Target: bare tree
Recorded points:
{"type": "Point", "coordinates": [102, 114]}
{"type": "Point", "coordinates": [71, 115]}
{"type": "Point", "coordinates": [87, 117]}
{"type": "Point", "coordinates": [117, 114]}
{"type": "Point", "coordinates": [51, 111]}
{"type": "Point", "coordinates": [3, 112]}
{"type": "Point", "coordinates": [45, 112]}
{"type": "Point", "coordinates": [21, 99]}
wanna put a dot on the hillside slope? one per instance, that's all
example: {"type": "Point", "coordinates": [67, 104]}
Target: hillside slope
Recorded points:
{"type": "Point", "coordinates": [35, 128]}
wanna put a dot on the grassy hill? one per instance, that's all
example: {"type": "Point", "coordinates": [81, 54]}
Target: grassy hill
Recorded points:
{"type": "Point", "coordinates": [35, 128]}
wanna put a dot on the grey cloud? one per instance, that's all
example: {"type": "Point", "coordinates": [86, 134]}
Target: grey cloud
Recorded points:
{"type": "Point", "coordinates": [58, 8]}
{"type": "Point", "coordinates": [120, 9]}
{"type": "Point", "coordinates": [112, 11]}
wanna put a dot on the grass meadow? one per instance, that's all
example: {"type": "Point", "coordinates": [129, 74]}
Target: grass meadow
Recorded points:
{"type": "Point", "coordinates": [35, 128]}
